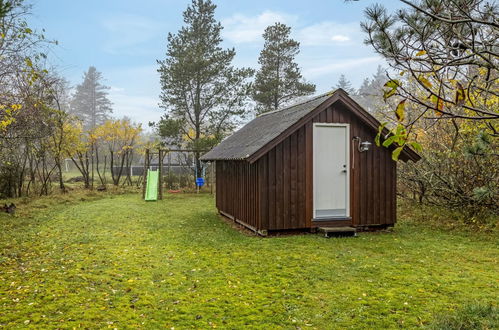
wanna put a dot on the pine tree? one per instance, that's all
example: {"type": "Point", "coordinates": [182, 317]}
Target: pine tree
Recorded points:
{"type": "Point", "coordinates": [345, 84]}
{"type": "Point", "coordinates": [370, 95]}
{"type": "Point", "coordinates": [364, 89]}
{"type": "Point", "coordinates": [379, 79]}
{"type": "Point", "coordinates": [202, 92]}
{"type": "Point", "coordinates": [279, 79]}
{"type": "Point", "coordinates": [448, 48]}
{"type": "Point", "coordinates": [90, 102]}
{"type": "Point", "coordinates": [364, 95]}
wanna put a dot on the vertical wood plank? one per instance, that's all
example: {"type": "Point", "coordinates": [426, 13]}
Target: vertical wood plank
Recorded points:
{"type": "Point", "coordinates": [241, 187]}
{"type": "Point", "coordinates": [334, 109]}
{"type": "Point", "coordinates": [376, 191]}
{"type": "Point", "coordinates": [370, 186]}
{"type": "Point", "coordinates": [293, 180]}
{"type": "Point", "coordinates": [253, 183]}
{"type": "Point", "coordinates": [308, 172]}
{"type": "Point", "coordinates": [340, 114]}
{"type": "Point", "coordinates": [382, 184]}
{"type": "Point", "coordinates": [323, 117]}
{"type": "Point", "coordinates": [272, 186]}
{"type": "Point", "coordinates": [245, 190]}
{"type": "Point", "coordinates": [316, 119]}
{"type": "Point", "coordinates": [264, 205]}
{"type": "Point", "coordinates": [356, 177]}
{"type": "Point", "coordinates": [228, 185]}
{"type": "Point", "coordinates": [388, 191]}
{"type": "Point", "coordinates": [279, 186]}
{"type": "Point", "coordinates": [353, 173]}
{"type": "Point", "coordinates": [301, 168]}
{"type": "Point", "coordinates": [329, 115]}
{"type": "Point", "coordinates": [250, 189]}
{"type": "Point", "coordinates": [362, 185]}
{"type": "Point", "coordinates": [225, 186]}
{"type": "Point", "coordinates": [286, 190]}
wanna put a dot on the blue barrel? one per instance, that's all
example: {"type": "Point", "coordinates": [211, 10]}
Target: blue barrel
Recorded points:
{"type": "Point", "coordinates": [199, 182]}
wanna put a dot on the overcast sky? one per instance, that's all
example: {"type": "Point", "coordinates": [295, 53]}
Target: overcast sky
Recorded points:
{"type": "Point", "coordinates": [124, 38]}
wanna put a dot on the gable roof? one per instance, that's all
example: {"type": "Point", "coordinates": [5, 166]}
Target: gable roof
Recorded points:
{"type": "Point", "coordinates": [261, 130]}
{"type": "Point", "coordinates": [267, 130]}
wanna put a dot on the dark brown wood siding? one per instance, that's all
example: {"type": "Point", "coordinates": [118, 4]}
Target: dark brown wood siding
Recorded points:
{"type": "Point", "coordinates": [283, 186]}
{"type": "Point", "coordinates": [237, 191]}
{"type": "Point", "coordinates": [276, 192]}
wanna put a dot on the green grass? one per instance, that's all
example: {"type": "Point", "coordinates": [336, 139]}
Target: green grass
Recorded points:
{"type": "Point", "coordinates": [120, 262]}
{"type": "Point", "coordinates": [472, 316]}
{"type": "Point", "coordinates": [440, 218]}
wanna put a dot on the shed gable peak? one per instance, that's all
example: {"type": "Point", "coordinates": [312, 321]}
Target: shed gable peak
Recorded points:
{"type": "Point", "coordinates": [267, 130]}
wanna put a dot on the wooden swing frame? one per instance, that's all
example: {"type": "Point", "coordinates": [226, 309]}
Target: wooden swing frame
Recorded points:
{"type": "Point", "coordinates": [161, 155]}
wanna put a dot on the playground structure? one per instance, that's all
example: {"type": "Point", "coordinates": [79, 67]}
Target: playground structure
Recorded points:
{"type": "Point", "coordinates": [152, 180]}
{"type": "Point", "coordinates": [152, 186]}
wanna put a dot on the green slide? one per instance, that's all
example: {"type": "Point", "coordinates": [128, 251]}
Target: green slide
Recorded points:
{"type": "Point", "coordinates": [152, 185]}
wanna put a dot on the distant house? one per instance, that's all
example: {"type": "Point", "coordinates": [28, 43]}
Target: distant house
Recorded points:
{"type": "Point", "coordinates": [306, 166]}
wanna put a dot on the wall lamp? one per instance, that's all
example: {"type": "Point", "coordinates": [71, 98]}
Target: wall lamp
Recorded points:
{"type": "Point", "coordinates": [362, 145]}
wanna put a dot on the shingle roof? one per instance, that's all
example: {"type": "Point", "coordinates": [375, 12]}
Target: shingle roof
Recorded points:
{"type": "Point", "coordinates": [263, 129]}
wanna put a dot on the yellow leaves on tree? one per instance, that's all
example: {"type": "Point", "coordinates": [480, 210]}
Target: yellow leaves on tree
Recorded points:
{"type": "Point", "coordinates": [421, 53]}
{"type": "Point", "coordinates": [476, 96]}
{"type": "Point", "coordinates": [119, 135]}
{"type": "Point", "coordinates": [7, 114]}
{"type": "Point", "coordinates": [191, 136]}
{"type": "Point", "coordinates": [400, 111]}
{"type": "Point", "coordinates": [76, 140]}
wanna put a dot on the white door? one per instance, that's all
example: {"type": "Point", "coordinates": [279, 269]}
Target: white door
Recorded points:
{"type": "Point", "coordinates": [331, 171]}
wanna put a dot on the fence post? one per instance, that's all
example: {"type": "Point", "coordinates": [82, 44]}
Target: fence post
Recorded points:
{"type": "Point", "coordinates": [211, 177]}
{"type": "Point", "coordinates": [144, 175]}
{"type": "Point", "coordinates": [170, 186]}
{"type": "Point", "coordinates": [160, 169]}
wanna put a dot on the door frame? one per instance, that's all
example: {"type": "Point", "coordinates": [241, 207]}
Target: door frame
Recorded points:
{"type": "Point", "coordinates": [348, 215]}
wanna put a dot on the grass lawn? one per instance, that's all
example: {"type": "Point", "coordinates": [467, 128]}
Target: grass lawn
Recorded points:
{"type": "Point", "coordinates": [120, 262]}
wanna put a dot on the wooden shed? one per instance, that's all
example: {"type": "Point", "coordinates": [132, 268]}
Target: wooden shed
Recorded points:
{"type": "Point", "coordinates": [304, 167]}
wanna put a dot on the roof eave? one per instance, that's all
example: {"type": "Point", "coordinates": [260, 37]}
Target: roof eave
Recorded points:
{"type": "Point", "coordinates": [339, 95]}
{"type": "Point", "coordinates": [406, 154]}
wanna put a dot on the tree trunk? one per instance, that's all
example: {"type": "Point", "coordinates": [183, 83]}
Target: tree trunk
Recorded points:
{"type": "Point", "coordinates": [120, 173]}
{"type": "Point", "coordinates": [61, 181]}
{"type": "Point", "coordinates": [129, 159]}
{"type": "Point", "coordinates": [199, 165]}
{"type": "Point", "coordinates": [97, 161]}
{"type": "Point", "coordinates": [111, 165]}
{"type": "Point", "coordinates": [92, 161]}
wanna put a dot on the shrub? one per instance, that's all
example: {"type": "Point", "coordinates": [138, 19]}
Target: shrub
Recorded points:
{"type": "Point", "coordinates": [459, 170]}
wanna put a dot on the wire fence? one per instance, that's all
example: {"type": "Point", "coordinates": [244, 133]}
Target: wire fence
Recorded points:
{"type": "Point", "coordinates": [178, 172]}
